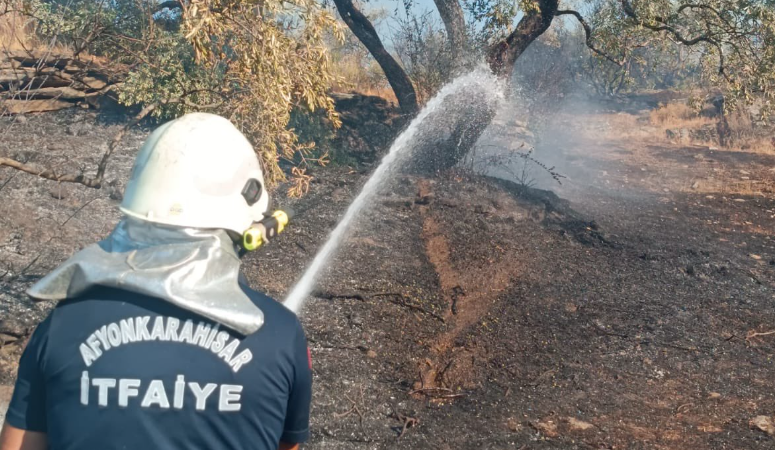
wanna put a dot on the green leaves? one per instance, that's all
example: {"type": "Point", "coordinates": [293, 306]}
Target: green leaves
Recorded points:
{"type": "Point", "coordinates": [274, 59]}
{"type": "Point", "coordinates": [252, 61]}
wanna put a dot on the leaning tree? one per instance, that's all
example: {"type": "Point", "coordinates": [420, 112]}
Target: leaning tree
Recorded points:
{"type": "Point", "coordinates": [733, 41]}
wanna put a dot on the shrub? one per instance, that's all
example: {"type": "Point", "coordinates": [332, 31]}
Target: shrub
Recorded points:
{"type": "Point", "coordinates": [252, 63]}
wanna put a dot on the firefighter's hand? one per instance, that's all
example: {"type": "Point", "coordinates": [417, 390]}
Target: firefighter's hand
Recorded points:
{"type": "Point", "coordinates": [12, 438]}
{"type": "Point", "coordinates": [283, 446]}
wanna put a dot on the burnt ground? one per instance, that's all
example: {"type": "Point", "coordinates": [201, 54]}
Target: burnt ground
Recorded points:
{"type": "Point", "coordinates": [466, 312]}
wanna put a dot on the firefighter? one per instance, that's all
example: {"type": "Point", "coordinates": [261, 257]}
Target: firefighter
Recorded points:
{"type": "Point", "coordinates": [156, 342]}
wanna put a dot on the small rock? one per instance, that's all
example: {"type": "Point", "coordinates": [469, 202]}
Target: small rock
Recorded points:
{"type": "Point", "coordinates": [714, 395]}
{"type": "Point", "coordinates": [116, 194]}
{"type": "Point", "coordinates": [371, 354]}
{"type": "Point", "coordinates": [756, 257]}
{"type": "Point", "coordinates": [709, 428]}
{"type": "Point", "coordinates": [21, 119]}
{"type": "Point", "coordinates": [58, 192]}
{"type": "Point", "coordinates": [740, 200]}
{"type": "Point", "coordinates": [338, 194]}
{"type": "Point", "coordinates": [77, 129]}
{"type": "Point", "coordinates": [579, 425]}
{"type": "Point", "coordinates": [513, 424]}
{"type": "Point", "coordinates": [356, 320]}
{"type": "Point", "coordinates": [695, 185]}
{"type": "Point", "coordinates": [763, 423]}
{"type": "Point", "coordinates": [547, 427]}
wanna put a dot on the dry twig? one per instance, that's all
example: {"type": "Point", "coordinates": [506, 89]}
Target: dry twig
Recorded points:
{"type": "Point", "coordinates": [401, 300]}
{"type": "Point", "coordinates": [754, 334]}
{"type": "Point", "coordinates": [353, 408]}
{"type": "Point", "coordinates": [436, 392]}
{"type": "Point", "coordinates": [407, 422]}
{"type": "Point", "coordinates": [336, 296]}
{"type": "Point", "coordinates": [97, 179]}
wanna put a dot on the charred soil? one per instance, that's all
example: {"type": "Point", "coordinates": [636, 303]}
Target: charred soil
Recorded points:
{"type": "Point", "coordinates": [470, 312]}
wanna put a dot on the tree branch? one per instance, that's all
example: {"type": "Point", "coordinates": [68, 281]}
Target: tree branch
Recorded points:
{"type": "Point", "coordinates": [47, 173]}
{"type": "Point", "coordinates": [92, 182]}
{"type": "Point", "coordinates": [707, 8]}
{"type": "Point", "coordinates": [96, 181]}
{"type": "Point", "coordinates": [630, 12]}
{"type": "Point", "coordinates": [170, 4]}
{"type": "Point", "coordinates": [454, 22]}
{"type": "Point", "coordinates": [503, 54]}
{"type": "Point", "coordinates": [588, 33]}
{"type": "Point", "coordinates": [362, 28]}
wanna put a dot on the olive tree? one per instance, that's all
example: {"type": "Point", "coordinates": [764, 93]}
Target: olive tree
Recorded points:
{"type": "Point", "coordinates": [732, 40]}
{"type": "Point", "coordinates": [252, 61]}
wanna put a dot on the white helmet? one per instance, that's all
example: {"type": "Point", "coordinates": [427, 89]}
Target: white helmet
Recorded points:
{"type": "Point", "coordinates": [197, 171]}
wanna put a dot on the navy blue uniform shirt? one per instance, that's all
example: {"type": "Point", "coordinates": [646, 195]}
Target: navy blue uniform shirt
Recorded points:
{"type": "Point", "coordinates": [117, 370]}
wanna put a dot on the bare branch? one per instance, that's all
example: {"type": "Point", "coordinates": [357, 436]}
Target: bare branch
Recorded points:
{"type": "Point", "coordinates": [170, 4]}
{"type": "Point", "coordinates": [92, 182]}
{"type": "Point", "coordinates": [96, 181]}
{"type": "Point", "coordinates": [502, 55]}
{"type": "Point", "coordinates": [588, 33]}
{"type": "Point", "coordinates": [47, 173]}
{"type": "Point", "coordinates": [662, 25]}
{"type": "Point", "coordinates": [708, 8]}
{"type": "Point", "coordinates": [103, 165]}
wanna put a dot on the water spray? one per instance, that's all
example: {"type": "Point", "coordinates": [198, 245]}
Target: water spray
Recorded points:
{"type": "Point", "coordinates": [481, 79]}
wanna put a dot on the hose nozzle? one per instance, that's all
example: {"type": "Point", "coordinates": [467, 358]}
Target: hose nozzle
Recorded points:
{"type": "Point", "coordinates": [261, 232]}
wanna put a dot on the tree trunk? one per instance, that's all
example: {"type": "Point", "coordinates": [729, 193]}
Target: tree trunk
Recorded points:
{"type": "Point", "coordinates": [449, 136]}
{"type": "Point", "coordinates": [454, 22]}
{"type": "Point", "coordinates": [365, 32]}
{"type": "Point", "coordinates": [533, 24]}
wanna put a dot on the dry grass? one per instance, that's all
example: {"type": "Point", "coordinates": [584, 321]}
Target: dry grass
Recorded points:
{"type": "Point", "coordinates": [679, 121]}
{"type": "Point", "coordinates": [362, 76]}
{"type": "Point", "coordinates": [757, 183]}
{"type": "Point", "coordinates": [677, 115]}
{"type": "Point", "coordinates": [748, 136]}
{"type": "Point", "coordinates": [17, 33]}
{"type": "Point", "coordinates": [616, 126]}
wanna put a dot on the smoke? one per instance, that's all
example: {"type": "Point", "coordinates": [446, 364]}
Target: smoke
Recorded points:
{"type": "Point", "coordinates": [538, 131]}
